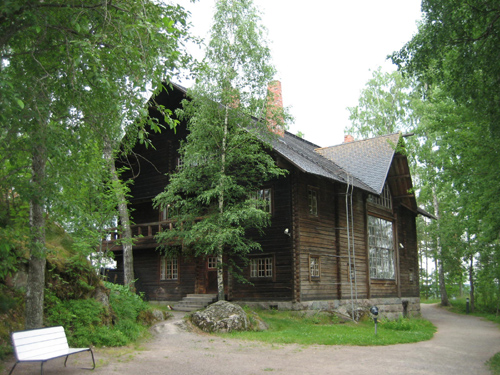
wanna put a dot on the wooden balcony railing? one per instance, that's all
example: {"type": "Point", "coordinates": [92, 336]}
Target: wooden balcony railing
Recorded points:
{"type": "Point", "coordinates": [144, 230]}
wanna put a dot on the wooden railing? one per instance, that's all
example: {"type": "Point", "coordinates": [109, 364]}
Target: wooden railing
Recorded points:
{"type": "Point", "coordinates": [139, 230]}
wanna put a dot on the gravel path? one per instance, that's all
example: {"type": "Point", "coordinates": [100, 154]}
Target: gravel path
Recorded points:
{"type": "Point", "coordinates": [462, 345]}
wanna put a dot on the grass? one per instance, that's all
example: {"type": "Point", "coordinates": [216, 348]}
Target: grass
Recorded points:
{"type": "Point", "coordinates": [286, 327]}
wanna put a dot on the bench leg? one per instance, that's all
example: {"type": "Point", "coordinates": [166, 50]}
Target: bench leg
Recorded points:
{"type": "Point", "coordinates": [93, 361]}
{"type": "Point", "coordinates": [13, 367]}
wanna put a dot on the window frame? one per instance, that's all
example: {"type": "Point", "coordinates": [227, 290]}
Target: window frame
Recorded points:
{"type": "Point", "coordinates": [164, 266]}
{"type": "Point", "coordinates": [383, 200]}
{"type": "Point", "coordinates": [262, 257]}
{"type": "Point", "coordinates": [269, 205]}
{"type": "Point", "coordinates": [382, 259]}
{"type": "Point", "coordinates": [212, 263]}
{"type": "Point", "coordinates": [312, 276]}
{"type": "Point", "coordinates": [313, 206]}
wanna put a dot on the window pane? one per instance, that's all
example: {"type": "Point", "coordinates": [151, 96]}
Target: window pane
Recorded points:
{"type": "Point", "coordinates": [313, 202]}
{"type": "Point", "coordinates": [380, 239]}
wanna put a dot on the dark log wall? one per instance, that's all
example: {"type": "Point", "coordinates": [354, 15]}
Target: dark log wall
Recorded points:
{"type": "Point", "coordinates": [353, 278]}
{"type": "Point", "coordinates": [408, 253]}
{"type": "Point", "coordinates": [147, 273]}
{"type": "Point", "coordinates": [274, 243]}
{"type": "Point", "coordinates": [316, 238]}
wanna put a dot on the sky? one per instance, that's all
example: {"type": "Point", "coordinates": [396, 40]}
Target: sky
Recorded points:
{"type": "Point", "coordinates": [324, 52]}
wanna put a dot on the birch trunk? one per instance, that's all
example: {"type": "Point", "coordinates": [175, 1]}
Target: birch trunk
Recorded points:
{"type": "Point", "coordinates": [220, 255]}
{"type": "Point", "coordinates": [128, 258]}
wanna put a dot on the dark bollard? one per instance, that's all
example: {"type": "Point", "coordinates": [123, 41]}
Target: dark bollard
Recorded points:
{"type": "Point", "coordinates": [466, 305]}
{"type": "Point", "coordinates": [374, 311]}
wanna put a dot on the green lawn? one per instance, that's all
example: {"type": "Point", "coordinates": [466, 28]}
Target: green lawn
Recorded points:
{"type": "Point", "coordinates": [298, 327]}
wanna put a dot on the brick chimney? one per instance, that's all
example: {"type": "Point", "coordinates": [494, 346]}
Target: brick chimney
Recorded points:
{"type": "Point", "coordinates": [275, 108]}
{"type": "Point", "coordinates": [348, 138]}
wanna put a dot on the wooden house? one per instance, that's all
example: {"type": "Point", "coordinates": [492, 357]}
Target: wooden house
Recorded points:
{"type": "Point", "coordinates": [343, 227]}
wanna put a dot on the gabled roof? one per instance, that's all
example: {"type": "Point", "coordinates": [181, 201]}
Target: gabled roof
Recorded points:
{"type": "Point", "coordinates": [303, 154]}
{"type": "Point", "coordinates": [368, 160]}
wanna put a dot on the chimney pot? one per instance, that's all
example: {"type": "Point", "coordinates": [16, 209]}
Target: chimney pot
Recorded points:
{"type": "Point", "coordinates": [348, 138]}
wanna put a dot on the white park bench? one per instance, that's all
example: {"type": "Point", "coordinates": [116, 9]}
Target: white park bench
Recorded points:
{"type": "Point", "coordinates": [42, 345]}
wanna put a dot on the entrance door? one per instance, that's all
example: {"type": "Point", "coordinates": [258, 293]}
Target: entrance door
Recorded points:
{"type": "Point", "coordinates": [212, 275]}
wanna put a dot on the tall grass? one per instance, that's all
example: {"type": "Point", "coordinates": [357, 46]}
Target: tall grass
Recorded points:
{"type": "Point", "coordinates": [287, 327]}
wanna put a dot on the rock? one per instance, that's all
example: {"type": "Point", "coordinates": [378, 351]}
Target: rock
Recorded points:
{"type": "Point", "coordinates": [221, 316]}
{"type": "Point", "coordinates": [257, 323]}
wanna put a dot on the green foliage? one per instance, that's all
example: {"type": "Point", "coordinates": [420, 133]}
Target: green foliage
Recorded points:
{"type": "Point", "coordinates": [126, 304]}
{"type": "Point", "coordinates": [494, 364]}
{"type": "Point", "coordinates": [89, 322]}
{"type": "Point", "coordinates": [323, 329]}
{"type": "Point", "coordinates": [11, 317]}
{"type": "Point", "coordinates": [386, 105]}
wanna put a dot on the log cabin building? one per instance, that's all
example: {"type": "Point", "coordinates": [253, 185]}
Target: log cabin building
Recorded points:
{"type": "Point", "coordinates": [343, 229]}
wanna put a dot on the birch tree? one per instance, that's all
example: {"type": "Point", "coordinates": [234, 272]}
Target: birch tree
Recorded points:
{"type": "Point", "coordinates": [225, 157]}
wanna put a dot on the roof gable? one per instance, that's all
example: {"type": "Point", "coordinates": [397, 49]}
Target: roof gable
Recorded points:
{"type": "Point", "coordinates": [368, 160]}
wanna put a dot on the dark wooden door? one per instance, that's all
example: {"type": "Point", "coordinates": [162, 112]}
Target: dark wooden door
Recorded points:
{"type": "Point", "coordinates": [211, 275]}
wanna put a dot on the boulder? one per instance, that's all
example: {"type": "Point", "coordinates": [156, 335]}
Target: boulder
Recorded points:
{"type": "Point", "coordinates": [221, 316]}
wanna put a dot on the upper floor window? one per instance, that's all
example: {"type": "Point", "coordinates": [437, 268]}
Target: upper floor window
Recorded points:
{"type": "Point", "coordinates": [381, 245]}
{"type": "Point", "coordinates": [265, 197]}
{"type": "Point", "coordinates": [169, 268]}
{"type": "Point", "coordinates": [384, 199]}
{"type": "Point", "coordinates": [312, 197]}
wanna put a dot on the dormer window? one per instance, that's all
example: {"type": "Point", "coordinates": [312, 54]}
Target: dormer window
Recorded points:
{"type": "Point", "coordinates": [384, 199]}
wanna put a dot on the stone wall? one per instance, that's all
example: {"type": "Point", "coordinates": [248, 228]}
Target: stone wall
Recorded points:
{"type": "Point", "coordinates": [390, 308]}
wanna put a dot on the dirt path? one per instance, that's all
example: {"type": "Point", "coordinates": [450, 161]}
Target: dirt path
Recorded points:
{"type": "Point", "coordinates": [462, 345]}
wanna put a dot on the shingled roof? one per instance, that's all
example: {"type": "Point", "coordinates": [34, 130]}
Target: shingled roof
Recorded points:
{"type": "Point", "coordinates": [368, 160]}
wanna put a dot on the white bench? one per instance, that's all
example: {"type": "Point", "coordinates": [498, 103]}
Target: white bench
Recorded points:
{"type": "Point", "coordinates": [42, 345]}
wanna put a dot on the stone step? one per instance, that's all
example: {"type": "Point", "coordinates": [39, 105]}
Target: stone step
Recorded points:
{"type": "Point", "coordinates": [194, 302]}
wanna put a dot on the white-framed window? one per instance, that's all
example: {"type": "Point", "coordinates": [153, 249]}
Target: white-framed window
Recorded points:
{"type": "Point", "coordinates": [312, 198]}
{"type": "Point", "coordinates": [314, 267]}
{"type": "Point", "coordinates": [381, 245]}
{"type": "Point", "coordinates": [212, 263]}
{"type": "Point", "coordinates": [384, 199]}
{"type": "Point", "coordinates": [261, 267]}
{"type": "Point", "coordinates": [265, 197]}
{"type": "Point", "coordinates": [169, 268]}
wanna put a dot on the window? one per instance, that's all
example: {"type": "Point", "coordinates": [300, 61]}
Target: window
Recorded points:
{"type": "Point", "coordinates": [312, 197]}
{"type": "Point", "coordinates": [169, 269]}
{"type": "Point", "coordinates": [261, 267]}
{"type": "Point", "coordinates": [212, 263]}
{"type": "Point", "coordinates": [381, 246]}
{"type": "Point", "coordinates": [384, 199]}
{"type": "Point", "coordinates": [314, 267]}
{"type": "Point", "coordinates": [264, 196]}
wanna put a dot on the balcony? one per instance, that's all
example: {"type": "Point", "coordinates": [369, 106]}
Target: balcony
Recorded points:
{"type": "Point", "coordinates": [143, 235]}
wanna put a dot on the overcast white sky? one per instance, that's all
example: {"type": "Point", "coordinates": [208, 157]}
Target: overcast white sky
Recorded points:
{"type": "Point", "coordinates": [323, 51]}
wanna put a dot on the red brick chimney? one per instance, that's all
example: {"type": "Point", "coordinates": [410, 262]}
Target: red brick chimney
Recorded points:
{"type": "Point", "coordinates": [348, 138]}
{"type": "Point", "coordinates": [275, 108]}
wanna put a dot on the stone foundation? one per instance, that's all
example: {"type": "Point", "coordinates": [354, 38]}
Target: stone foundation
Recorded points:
{"type": "Point", "coordinates": [389, 308]}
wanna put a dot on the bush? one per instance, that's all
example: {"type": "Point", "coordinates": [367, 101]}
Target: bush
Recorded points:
{"type": "Point", "coordinates": [88, 322]}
